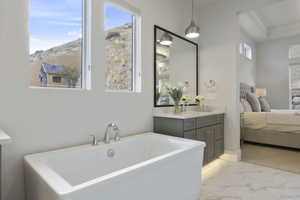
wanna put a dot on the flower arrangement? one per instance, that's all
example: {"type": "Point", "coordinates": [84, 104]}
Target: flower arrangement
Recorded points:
{"type": "Point", "coordinates": [199, 99]}
{"type": "Point", "coordinates": [186, 99]}
{"type": "Point", "coordinates": [176, 95]}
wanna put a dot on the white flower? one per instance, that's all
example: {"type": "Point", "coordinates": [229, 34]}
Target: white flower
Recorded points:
{"type": "Point", "coordinates": [186, 99]}
{"type": "Point", "coordinates": [199, 99]}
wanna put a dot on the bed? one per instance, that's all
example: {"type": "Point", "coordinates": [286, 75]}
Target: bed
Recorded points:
{"type": "Point", "coordinates": [277, 127]}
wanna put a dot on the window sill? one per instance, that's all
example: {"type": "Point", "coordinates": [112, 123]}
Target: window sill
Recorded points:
{"type": "Point", "coordinates": [57, 88]}
{"type": "Point", "coordinates": [122, 91]}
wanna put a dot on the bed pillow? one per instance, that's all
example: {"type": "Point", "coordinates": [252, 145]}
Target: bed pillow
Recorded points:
{"type": "Point", "coordinates": [265, 106]}
{"type": "Point", "coordinates": [254, 102]}
{"type": "Point", "coordinates": [246, 106]}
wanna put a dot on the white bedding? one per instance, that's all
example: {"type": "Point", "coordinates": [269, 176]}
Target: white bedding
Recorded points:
{"type": "Point", "coordinates": [285, 111]}
{"type": "Point", "coordinates": [254, 120]}
{"type": "Point", "coordinates": [276, 118]}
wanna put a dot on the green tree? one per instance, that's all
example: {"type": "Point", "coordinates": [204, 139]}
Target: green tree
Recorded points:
{"type": "Point", "coordinates": [71, 75]}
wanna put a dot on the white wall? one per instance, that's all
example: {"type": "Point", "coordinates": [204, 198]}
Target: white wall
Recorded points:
{"type": "Point", "coordinates": [219, 60]}
{"type": "Point", "coordinates": [247, 69]}
{"type": "Point", "coordinates": [45, 119]}
{"type": "Point", "coordinates": [273, 70]}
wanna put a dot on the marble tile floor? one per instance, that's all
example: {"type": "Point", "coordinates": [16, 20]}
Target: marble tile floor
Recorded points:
{"type": "Point", "coordinates": [225, 180]}
{"type": "Point", "coordinates": [274, 157]}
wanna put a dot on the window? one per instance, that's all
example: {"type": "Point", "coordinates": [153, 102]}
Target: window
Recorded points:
{"type": "Point", "coordinates": [246, 50]}
{"type": "Point", "coordinates": [295, 86]}
{"type": "Point", "coordinates": [122, 50]}
{"type": "Point", "coordinates": [294, 52]}
{"type": "Point", "coordinates": [294, 72]}
{"type": "Point", "coordinates": [56, 79]}
{"type": "Point", "coordinates": [56, 43]}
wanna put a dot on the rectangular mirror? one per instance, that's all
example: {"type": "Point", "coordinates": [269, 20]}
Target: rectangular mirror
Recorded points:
{"type": "Point", "coordinates": [175, 65]}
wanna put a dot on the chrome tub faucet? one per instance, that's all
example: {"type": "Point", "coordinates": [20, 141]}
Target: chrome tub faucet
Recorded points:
{"type": "Point", "coordinates": [111, 128]}
{"type": "Point", "coordinates": [115, 129]}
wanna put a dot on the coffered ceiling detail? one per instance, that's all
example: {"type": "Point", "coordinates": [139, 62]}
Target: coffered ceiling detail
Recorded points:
{"type": "Point", "coordinates": [277, 20]}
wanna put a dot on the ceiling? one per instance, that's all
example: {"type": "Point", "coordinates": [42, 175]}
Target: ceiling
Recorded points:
{"type": "Point", "coordinates": [277, 20]}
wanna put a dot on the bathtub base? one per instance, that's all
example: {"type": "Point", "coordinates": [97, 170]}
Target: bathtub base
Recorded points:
{"type": "Point", "coordinates": [175, 179]}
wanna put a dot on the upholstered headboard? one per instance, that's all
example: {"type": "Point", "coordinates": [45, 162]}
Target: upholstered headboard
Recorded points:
{"type": "Point", "coordinates": [244, 88]}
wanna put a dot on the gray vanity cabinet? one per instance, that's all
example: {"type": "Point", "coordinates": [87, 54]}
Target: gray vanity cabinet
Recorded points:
{"type": "Point", "coordinates": [209, 129]}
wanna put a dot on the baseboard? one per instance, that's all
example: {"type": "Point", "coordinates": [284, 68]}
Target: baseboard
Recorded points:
{"type": "Point", "coordinates": [234, 156]}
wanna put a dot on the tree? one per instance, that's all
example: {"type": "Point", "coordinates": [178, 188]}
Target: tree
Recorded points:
{"type": "Point", "coordinates": [71, 75]}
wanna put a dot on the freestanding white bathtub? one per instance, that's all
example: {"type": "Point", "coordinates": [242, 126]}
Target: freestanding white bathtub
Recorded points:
{"type": "Point", "coordinates": [143, 167]}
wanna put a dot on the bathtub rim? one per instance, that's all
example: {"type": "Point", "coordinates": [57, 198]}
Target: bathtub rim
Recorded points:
{"type": "Point", "coordinates": [38, 163]}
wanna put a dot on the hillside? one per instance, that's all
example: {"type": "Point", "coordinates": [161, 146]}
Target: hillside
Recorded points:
{"type": "Point", "coordinates": [118, 62]}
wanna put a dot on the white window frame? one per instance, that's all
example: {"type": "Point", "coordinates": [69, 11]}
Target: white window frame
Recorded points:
{"type": "Point", "coordinates": [85, 50]}
{"type": "Point", "coordinates": [137, 51]}
{"type": "Point", "coordinates": [86, 66]}
{"type": "Point", "coordinates": [245, 48]}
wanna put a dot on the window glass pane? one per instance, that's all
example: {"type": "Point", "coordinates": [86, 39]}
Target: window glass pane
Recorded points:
{"type": "Point", "coordinates": [242, 49]}
{"type": "Point", "coordinates": [55, 43]}
{"type": "Point", "coordinates": [294, 52]}
{"type": "Point", "coordinates": [295, 76]}
{"type": "Point", "coordinates": [119, 32]}
{"type": "Point", "coordinates": [295, 86]}
{"type": "Point", "coordinates": [248, 51]}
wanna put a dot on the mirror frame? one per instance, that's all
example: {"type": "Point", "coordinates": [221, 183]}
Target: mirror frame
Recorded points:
{"type": "Point", "coordinates": [155, 57]}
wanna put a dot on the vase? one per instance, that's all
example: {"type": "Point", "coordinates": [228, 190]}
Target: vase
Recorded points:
{"type": "Point", "coordinates": [201, 107]}
{"type": "Point", "coordinates": [176, 108]}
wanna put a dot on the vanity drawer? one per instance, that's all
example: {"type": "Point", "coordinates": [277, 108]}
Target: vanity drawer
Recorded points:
{"type": "Point", "coordinates": [190, 135]}
{"type": "Point", "coordinates": [206, 121]}
{"type": "Point", "coordinates": [189, 124]}
{"type": "Point", "coordinates": [172, 127]}
{"type": "Point", "coordinates": [220, 118]}
{"type": "Point", "coordinates": [210, 120]}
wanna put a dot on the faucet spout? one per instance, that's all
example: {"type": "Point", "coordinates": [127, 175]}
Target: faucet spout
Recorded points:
{"type": "Point", "coordinates": [115, 128]}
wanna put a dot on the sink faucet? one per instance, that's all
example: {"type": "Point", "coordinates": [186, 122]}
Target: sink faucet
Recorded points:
{"type": "Point", "coordinates": [115, 128]}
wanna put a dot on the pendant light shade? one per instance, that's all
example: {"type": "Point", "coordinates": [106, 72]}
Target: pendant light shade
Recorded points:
{"type": "Point", "coordinates": [192, 31]}
{"type": "Point", "coordinates": [166, 39]}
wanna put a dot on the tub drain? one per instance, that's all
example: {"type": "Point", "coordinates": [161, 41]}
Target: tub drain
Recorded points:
{"type": "Point", "coordinates": [111, 153]}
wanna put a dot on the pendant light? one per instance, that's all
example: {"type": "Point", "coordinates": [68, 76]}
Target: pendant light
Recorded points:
{"type": "Point", "coordinates": [192, 31]}
{"type": "Point", "coordinates": [166, 39]}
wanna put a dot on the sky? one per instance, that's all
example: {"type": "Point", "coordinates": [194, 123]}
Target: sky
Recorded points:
{"type": "Point", "coordinates": [56, 22]}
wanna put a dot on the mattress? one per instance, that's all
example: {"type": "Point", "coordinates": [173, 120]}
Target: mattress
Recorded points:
{"type": "Point", "coordinates": [279, 120]}
{"type": "Point", "coordinates": [285, 111]}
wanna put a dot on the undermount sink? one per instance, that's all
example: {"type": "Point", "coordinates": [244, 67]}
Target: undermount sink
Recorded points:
{"type": "Point", "coordinates": [192, 113]}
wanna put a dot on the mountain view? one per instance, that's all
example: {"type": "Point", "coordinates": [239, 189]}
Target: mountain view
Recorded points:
{"type": "Point", "coordinates": [66, 59]}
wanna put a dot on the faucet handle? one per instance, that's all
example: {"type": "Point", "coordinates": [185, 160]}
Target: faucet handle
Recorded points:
{"type": "Point", "coordinates": [117, 138]}
{"type": "Point", "coordinates": [117, 133]}
{"type": "Point", "coordinates": [95, 141]}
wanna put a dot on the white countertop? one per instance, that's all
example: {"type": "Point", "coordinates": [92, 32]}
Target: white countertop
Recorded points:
{"type": "Point", "coordinates": [186, 115]}
{"type": "Point", "coordinates": [4, 138]}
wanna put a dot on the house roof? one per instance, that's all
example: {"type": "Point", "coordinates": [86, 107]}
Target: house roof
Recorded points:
{"type": "Point", "coordinates": [52, 69]}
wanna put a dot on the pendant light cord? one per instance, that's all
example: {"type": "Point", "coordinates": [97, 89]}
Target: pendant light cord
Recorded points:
{"type": "Point", "coordinates": [192, 9]}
